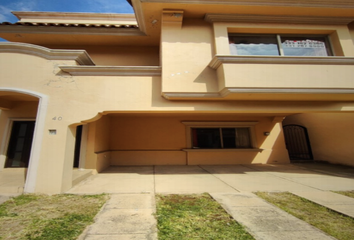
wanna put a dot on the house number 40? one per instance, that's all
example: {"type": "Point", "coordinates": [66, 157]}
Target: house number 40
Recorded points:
{"type": "Point", "coordinates": [57, 118]}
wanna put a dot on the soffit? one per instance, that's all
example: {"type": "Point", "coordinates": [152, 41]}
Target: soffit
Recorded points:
{"type": "Point", "coordinates": [76, 35]}
{"type": "Point", "coordinates": [148, 13]}
{"type": "Point", "coordinates": [198, 9]}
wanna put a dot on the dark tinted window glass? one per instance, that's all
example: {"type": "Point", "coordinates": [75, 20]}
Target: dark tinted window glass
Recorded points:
{"type": "Point", "coordinates": [228, 137]}
{"type": "Point", "coordinates": [206, 138]}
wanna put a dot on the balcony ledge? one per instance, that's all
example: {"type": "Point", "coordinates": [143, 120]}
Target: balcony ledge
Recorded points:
{"type": "Point", "coordinates": [223, 150]}
{"type": "Point", "coordinates": [232, 59]}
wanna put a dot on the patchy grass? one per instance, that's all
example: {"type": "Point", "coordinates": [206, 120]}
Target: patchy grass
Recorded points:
{"type": "Point", "coordinates": [37, 217]}
{"type": "Point", "coordinates": [331, 222]}
{"type": "Point", "coordinates": [346, 193]}
{"type": "Point", "coordinates": [195, 217]}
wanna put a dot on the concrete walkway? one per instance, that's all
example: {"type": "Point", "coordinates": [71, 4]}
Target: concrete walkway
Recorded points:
{"type": "Point", "coordinates": [264, 221]}
{"type": "Point", "coordinates": [232, 186]}
{"type": "Point", "coordinates": [125, 217]}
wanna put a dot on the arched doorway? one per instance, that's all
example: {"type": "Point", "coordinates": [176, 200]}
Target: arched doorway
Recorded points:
{"type": "Point", "coordinates": [22, 120]}
{"type": "Point", "coordinates": [297, 142]}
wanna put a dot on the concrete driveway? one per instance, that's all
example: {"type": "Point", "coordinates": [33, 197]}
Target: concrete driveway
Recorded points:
{"type": "Point", "coordinates": [129, 214]}
{"type": "Point", "coordinates": [213, 179]}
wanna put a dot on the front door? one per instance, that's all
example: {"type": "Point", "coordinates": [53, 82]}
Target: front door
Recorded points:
{"type": "Point", "coordinates": [19, 150]}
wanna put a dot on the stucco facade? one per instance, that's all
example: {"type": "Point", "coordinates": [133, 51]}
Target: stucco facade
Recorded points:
{"type": "Point", "coordinates": [142, 85]}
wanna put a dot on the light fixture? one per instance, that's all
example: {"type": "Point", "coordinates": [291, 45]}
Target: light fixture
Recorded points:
{"type": "Point", "coordinates": [266, 133]}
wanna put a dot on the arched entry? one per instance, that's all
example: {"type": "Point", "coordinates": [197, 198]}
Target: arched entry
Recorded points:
{"type": "Point", "coordinates": [297, 142]}
{"type": "Point", "coordinates": [20, 105]}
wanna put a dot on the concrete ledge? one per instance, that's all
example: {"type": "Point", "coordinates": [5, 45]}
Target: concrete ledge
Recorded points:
{"type": "Point", "coordinates": [158, 157]}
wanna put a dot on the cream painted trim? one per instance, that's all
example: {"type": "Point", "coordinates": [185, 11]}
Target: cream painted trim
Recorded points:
{"type": "Point", "coordinates": [285, 3]}
{"type": "Point", "coordinates": [139, 15]}
{"type": "Point", "coordinates": [112, 70]}
{"type": "Point", "coordinates": [226, 91]}
{"type": "Point", "coordinates": [76, 16]}
{"type": "Point", "coordinates": [284, 19]}
{"type": "Point", "coordinates": [221, 59]}
{"type": "Point", "coordinates": [223, 150]}
{"type": "Point", "coordinates": [71, 30]}
{"type": "Point", "coordinates": [80, 56]}
{"type": "Point", "coordinates": [250, 125]}
{"type": "Point", "coordinates": [32, 171]}
{"type": "Point", "coordinates": [202, 95]}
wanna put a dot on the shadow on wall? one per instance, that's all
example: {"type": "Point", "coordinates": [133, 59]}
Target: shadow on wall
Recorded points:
{"type": "Point", "coordinates": [160, 139]}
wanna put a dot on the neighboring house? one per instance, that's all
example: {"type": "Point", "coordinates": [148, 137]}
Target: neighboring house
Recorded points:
{"type": "Point", "coordinates": [181, 82]}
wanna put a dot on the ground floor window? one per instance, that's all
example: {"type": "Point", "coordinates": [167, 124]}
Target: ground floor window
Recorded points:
{"type": "Point", "coordinates": [220, 135]}
{"type": "Point", "coordinates": [221, 138]}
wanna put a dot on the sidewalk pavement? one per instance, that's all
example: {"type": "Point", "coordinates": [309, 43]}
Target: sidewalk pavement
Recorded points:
{"type": "Point", "coordinates": [232, 186]}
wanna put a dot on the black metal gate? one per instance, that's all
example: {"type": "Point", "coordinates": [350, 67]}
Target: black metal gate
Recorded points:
{"type": "Point", "coordinates": [297, 142]}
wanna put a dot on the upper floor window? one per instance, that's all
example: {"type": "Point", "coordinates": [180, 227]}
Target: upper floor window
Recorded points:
{"type": "Point", "coordinates": [279, 45]}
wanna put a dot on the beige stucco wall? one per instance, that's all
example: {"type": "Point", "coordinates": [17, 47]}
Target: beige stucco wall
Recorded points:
{"type": "Point", "coordinates": [187, 49]}
{"type": "Point", "coordinates": [118, 55]}
{"type": "Point", "coordinates": [288, 76]}
{"type": "Point", "coordinates": [331, 135]}
{"type": "Point", "coordinates": [185, 54]}
{"type": "Point", "coordinates": [146, 139]}
{"type": "Point", "coordinates": [74, 100]}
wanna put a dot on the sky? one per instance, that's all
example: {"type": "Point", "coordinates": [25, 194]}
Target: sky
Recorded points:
{"type": "Point", "coordinates": [96, 6]}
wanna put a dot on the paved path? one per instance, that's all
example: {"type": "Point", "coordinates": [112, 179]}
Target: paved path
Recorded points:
{"type": "Point", "coordinates": [264, 221]}
{"type": "Point", "coordinates": [128, 215]}
{"type": "Point", "coordinates": [124, 217]}
{"type": "Point", "coordinates": [331, 200]}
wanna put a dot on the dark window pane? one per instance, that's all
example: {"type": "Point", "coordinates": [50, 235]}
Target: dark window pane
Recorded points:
{"type": "Point", "coordinates": [206, 138]}
{"type": "Point", "coordinates": [265, 45]}
{"type": "Point", "coordinates": [304, 46]}
{"type": "Point", "coordinates": [228, 137]}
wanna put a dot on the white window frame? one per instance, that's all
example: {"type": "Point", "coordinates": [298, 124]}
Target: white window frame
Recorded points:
{"type": "Point", "coordinates": [249, 125]}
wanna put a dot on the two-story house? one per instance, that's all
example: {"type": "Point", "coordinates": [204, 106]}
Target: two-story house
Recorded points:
{"type": "Point", "coordinates": [180, 82]}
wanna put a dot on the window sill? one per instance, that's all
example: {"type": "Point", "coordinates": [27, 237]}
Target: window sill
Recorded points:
{"type": "Point", "coordinates": [223, 150]}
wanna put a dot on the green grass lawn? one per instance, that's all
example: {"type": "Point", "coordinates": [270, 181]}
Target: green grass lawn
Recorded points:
{"type": "Point", "coordinates": [195, 217]}
{"type": "Point", "coordinates": [46, 217]}
{"type": "Point", "coordinates": [331, 222]}
{"type": "Point", "coordinates": [346, 193]}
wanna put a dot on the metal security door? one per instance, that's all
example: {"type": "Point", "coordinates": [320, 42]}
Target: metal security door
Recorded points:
{"type": "Point", "coordinates": [297, 142]}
